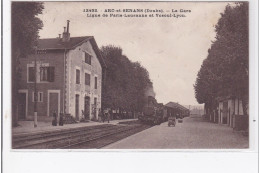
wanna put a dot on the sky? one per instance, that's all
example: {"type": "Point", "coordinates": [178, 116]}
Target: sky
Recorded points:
{"type": "Point", "coordinates": [171, 49]}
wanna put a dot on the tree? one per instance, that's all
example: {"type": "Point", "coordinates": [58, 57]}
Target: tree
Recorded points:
{"type": "Point", "coordinates": [232, 31]}
{"type": "Point", "coordinates": [25, 28]}
{"type": "Point", "coordinates": [225, 70]}
{"type": "Point", "coordinates": [126, 81]}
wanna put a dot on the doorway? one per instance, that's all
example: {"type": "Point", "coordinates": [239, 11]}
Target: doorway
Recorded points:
{"type": "Point", "coordinates": [77, 106]}
{"type": "Point", "coordinates": [95, 107]}
{"type": "Point", "coordinates": [53, 103]}
{"type": "Point", "coordinates": [87, 107]}
{"type": "Point", "coordinates": [22, 106]}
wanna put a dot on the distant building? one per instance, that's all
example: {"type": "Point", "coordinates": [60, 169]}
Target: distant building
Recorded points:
{"type": "Point", "coordinates": [68, 78]}
{"type": "Point", "coordinates": [195, 109]}
{"type": "Point", "coordinates": [175, 109]}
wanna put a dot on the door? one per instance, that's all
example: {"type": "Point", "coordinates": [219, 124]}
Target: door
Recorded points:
{"type": "Point", "coordinates": [53, 103]}
{"type": "Point", "coordinates": [77, 106]}
{"type": "Point", "coordinates": [95, 107]}
{"type": "Point", "coordinates": [87, 107]}
{"type": "Point", "coordinates": [21, 106]}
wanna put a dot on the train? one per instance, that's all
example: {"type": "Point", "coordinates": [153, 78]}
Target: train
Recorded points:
{"type": "Point", "coordinates": [153, 113]}
{"type": "Point", "coordinates": [156, 113]}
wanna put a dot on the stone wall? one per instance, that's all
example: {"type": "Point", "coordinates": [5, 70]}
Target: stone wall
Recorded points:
{"type": "Point", "coordinates": [75, 60]}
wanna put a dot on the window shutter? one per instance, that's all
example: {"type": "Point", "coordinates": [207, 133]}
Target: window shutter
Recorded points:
{"type": "Point", "coordinates": [95, 82]}
{"type": "Point", "coordinates": [87, 79]}
{"type": "Point", "coordinates": [51, 74]}
{"type": "Point", "coordinates": [87, 58]}
{"type": "Point", "coordinates": [77, 76]}
{"type": "Point", "coordinates": [31, 74]}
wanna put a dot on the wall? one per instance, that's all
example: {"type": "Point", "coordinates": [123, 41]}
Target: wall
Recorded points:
{"type": "Point", "coordinates": [234, 107]}
{"type": "Point", "coordinates": [75, 61]}
{"type": "Point", "coordinates": [45, 59]}
{"type": "Point", "coordinates": [230, 111]}
{"type": "Point", "coordinates": [238, 111]}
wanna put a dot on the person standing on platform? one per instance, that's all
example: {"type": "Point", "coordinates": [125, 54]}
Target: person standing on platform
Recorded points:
{"type": "Point", "coordinates": [54, 120]}
{"type": "Point", "coordinates": [103, 116]}
{"type": "Point", "coordinates": [100, 117]}
{"type": "Point", "coordinates": [108, 116]}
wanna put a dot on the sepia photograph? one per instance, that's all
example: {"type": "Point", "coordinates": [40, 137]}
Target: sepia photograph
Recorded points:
{"type": "Point", "coordinates": [130, 75]}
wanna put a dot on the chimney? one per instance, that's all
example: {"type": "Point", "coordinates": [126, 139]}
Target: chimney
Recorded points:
{"type": "Point", "coordinates": [68, 26]}
{"type": "Point", "coordinates": [59, 35]}
{"type": "Point", "coordinates": [66, 34]}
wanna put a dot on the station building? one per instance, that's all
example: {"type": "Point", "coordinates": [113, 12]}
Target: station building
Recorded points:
{"type": "Point", "coordinates": [230, 111]}
{"type": "Point", "coordinates": [68, 78]}
{"type": "Point", "coordinates": [175, 109]}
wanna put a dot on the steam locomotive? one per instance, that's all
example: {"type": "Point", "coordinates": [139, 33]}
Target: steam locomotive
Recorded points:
{"type": "Point", "coordinates": [153, 112]}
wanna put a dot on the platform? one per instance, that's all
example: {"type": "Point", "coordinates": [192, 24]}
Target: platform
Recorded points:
{"type": "Point", "coordinates": [26, 127]}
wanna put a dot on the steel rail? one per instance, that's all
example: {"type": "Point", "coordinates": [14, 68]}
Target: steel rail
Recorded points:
{"type": "Point", "coordinates": [69, 136]}
{"type": "Point", "coordinates": [98, 137]}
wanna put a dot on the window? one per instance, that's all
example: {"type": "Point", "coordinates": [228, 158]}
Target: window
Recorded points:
{"type": "Point", "coordinates": [87, 79]}
{"type": "Point", "coordinates": [33, 96]}
{"type": "Point", "coordinates": [87, 58]}
{"type": "Point", "coordinates": [47, 74]}
{"type": "Point", "coordinates": [95, 82]}
{"type": "Point", "coordinates": [51, 74]}
{"type": "Point", "coordinates": [77, 76]}
{"type": "Point", "coordinates": [43, 73]}
{"type": "Point", "coordinates": [95, 102]}
{"type": "Point", "coordinates": [39, 97]}
{"type": "Point", "coordinates": [31, 74]}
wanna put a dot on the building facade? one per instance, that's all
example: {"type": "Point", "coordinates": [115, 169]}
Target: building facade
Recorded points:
{"type": "Point", "coordinates": [68, 78]}
{"type": "Point", "coordinates": [175, 109]}
{"type": "Point", "coordinates": [229, 111]}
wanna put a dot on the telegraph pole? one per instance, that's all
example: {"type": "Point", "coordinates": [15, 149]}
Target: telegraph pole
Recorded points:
{"type": "Point", "coordinates": [35, 90]}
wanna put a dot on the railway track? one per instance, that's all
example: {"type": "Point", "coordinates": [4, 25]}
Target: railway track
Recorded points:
{"type": "Point", "coordinates": [28, 140]}
{"type": "Point", "coordinates": [84, 137]}
{"type": "Point", "coordinates": [106, 139]}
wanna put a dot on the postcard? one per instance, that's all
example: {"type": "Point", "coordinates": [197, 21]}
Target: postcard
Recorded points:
{"type": "Point", "coordinates": [141, 77]}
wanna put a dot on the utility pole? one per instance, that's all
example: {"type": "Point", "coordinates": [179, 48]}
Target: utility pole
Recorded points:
{"type": "Point", "coordinates": [35, 90]}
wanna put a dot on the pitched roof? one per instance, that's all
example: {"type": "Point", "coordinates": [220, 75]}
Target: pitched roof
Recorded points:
{"type": "Point", "coordinates": [175, 105]}
{"type": "Point", "coordinates": [184, 108]}
{"type": "Point", "coordinates": [172, 105]}
{"type": "Point", "coordinates": [56, 44]}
